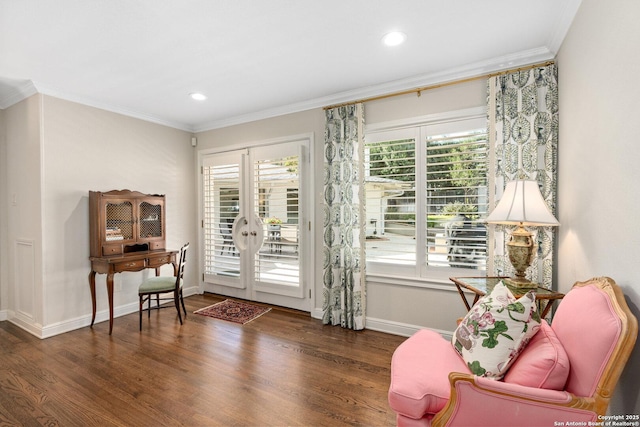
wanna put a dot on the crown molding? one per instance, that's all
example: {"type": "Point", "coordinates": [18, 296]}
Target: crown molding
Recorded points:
{"type": "Point", "coordinates": [16, 93]}
{"type": "Point", "coordinates": [567, 15]}
{"type": "Point", "coordinates": [56, 93]}
{"type": "Point", "coordinates": [498, 64]}
{"type": "Point", "coordinates": [494, 65]}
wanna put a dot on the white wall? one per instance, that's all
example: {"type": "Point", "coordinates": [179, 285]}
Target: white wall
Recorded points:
{"type": "Point", "coordinates": [598, 156]}
{"type": "Point", "coordinates": [83, 148]}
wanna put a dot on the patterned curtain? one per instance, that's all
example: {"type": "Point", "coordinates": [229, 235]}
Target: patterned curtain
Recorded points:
{"type": "Point", "coordinates": [344, 234]}
{"type": "Point", "coordinates": [523, 123]}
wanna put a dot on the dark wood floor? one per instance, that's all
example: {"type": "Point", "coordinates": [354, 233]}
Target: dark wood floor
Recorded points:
{"type": "Point", "coordinates": [283, 369]}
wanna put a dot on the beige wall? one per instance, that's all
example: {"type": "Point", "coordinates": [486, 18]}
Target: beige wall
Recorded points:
{"type": "Point", "coordinates": [3, 218]}
{"type": "Point", "coordinates": [261, 130]}
{"type": "Point", "coordinates": [58, 151]}
{"type": "Point", "coordinates": [447, 98]}
{"type": "Point", "coordinates": [598, 156]}
{"type": "Point", "coordinates": [23, 286]}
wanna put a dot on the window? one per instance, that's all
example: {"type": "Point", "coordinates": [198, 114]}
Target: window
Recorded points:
{"type": "Point", "coordinates": [426, 189]}
{"type": "Point", "coordinates": [456, 196]}
{"type": "Point", "coordinates": [390, 181]}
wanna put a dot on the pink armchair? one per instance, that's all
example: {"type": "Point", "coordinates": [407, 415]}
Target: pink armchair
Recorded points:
{"type": "Point", "coordinates": [594, 329]}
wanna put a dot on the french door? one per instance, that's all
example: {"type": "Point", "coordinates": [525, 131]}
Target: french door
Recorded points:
{"type": "Point", "coordinates": [255, 224]}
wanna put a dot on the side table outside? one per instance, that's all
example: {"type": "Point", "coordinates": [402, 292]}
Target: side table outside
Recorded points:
{"type": "Point", "coordinates": [481, 285]}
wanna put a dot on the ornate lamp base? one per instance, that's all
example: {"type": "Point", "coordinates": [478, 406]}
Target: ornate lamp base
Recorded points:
{"type": "Point", "coordinates": [520, 285]}
{"type": "Point", "coordinates": [521, 249]}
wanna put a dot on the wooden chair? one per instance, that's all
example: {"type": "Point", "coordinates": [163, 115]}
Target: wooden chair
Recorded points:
{"type": "Point", "coordinates": [163, 285]}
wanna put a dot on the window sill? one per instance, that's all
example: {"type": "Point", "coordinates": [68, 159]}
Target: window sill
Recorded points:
{"type": "Point", "coordinates": [415, 282]}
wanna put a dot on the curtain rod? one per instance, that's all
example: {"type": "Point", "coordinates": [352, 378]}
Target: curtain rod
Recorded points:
{"type": "Point", "coordinates": [439, 85]}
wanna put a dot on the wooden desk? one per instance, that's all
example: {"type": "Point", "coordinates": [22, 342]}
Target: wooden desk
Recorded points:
{"type": "Point", "coordinates": [481, 285]}
{"type": "Point", "coordinates": [133, 261]}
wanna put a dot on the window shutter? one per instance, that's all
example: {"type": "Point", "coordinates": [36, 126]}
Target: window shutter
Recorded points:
{"type": "Point", "coordinates": [221, 194]}
{"type": "Point", "coordinates": [456, 200]}
{"type": "Point", "coordinates": [391, 203]}
{"type": "Point", "coordinates": [427, 193]}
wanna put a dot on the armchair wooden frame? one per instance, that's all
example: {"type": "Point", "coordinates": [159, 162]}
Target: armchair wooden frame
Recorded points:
{"type": "Point", "coordinates": [465, 387]}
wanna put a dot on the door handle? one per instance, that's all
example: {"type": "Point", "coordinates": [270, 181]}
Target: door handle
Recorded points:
{"type": "Point", "coordinates": [253, 233]}
{"type": "Point", "coordinates": [245, 233]}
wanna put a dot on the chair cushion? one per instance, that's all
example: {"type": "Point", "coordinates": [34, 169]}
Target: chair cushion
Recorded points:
{"type": "Point", "coordinates": [420, 369]}
{"type": "Point", "coordinates": [542, 364]}
{"type": "Point", "coordinates": [158, 284]}
{"type": "Point", "coordinates": [495, 331]}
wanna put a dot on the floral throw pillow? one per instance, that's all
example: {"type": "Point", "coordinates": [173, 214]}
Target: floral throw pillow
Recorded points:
{"type": "Point", "coordinates": [495, 331]}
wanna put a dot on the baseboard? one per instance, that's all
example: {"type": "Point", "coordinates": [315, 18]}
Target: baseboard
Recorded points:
{"type": "Point", "coordinates": [25, 323]}
{"type": "Point", "coordinates": [390, 327]}
{"type": "Point", "coordinates": [53, 329]}
{"type": "Point", "coordinates": [3, 315]}
{"type": "Point", "coordinates": [402, 329]}
{"type": "Point", "coordinates": [316, 313]}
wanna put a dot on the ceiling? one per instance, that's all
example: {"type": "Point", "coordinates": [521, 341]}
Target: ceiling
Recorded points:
{"type": "Point", "coordinates": [256, 59]}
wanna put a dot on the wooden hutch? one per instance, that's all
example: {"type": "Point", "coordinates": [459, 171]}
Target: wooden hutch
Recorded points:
{"type": "Point", "coordinates": [127, 233]}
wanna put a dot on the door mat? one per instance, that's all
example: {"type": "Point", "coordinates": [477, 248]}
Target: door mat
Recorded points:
{"type": "Point", "coordinates": [234, 311]}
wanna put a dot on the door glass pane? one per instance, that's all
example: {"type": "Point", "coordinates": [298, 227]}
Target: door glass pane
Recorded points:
{"type": "Point", "coordinates": [276, 186]}
{"type": "Point", "coordinates": [221, 206]}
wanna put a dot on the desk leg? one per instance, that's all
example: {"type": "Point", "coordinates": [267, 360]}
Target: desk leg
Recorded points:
{"type": "Point", "coordinates": [92, 286]}
{"type": "Point", "coordinates": [110, 295]}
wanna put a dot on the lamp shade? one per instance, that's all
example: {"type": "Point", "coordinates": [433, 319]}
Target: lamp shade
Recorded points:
{"type": "Point", "coordinates": [522, 203]}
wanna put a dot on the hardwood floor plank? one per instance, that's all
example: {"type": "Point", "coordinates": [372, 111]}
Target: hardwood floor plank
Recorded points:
{"type": "Point", "coordinates": [282, 369]}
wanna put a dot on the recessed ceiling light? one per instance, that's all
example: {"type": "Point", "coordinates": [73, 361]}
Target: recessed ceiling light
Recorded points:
{"type": "Point", "coordinates": [197, 96]}
{"type": "Point", "coordinates": [394, 38]}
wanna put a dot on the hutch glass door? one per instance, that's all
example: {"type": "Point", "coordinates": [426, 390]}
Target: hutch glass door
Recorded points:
{"type": "Point", "coordinates": [150, 220]}
{"type": "Point", "coordinates": [119, 216]}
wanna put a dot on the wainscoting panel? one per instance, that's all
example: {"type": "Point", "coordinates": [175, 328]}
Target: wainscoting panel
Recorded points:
{"type": "Point", "coordinates": [24, 279]}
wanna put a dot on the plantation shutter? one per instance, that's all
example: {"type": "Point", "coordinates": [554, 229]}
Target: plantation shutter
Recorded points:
{"type": "Point", "coordinates": [457, 199]}
{"type": "Point", "coordinates": [276, 184]}
{"type": "Point", "coordinates": [390, 182]}
{"type": "Point", "coordinates": [426, 190]}
{"type": "Point", "coordinates": [221, 194]}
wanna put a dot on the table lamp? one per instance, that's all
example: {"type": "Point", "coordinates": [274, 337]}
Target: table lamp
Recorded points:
{"type": "Point", "coordinates": [522, 204]}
